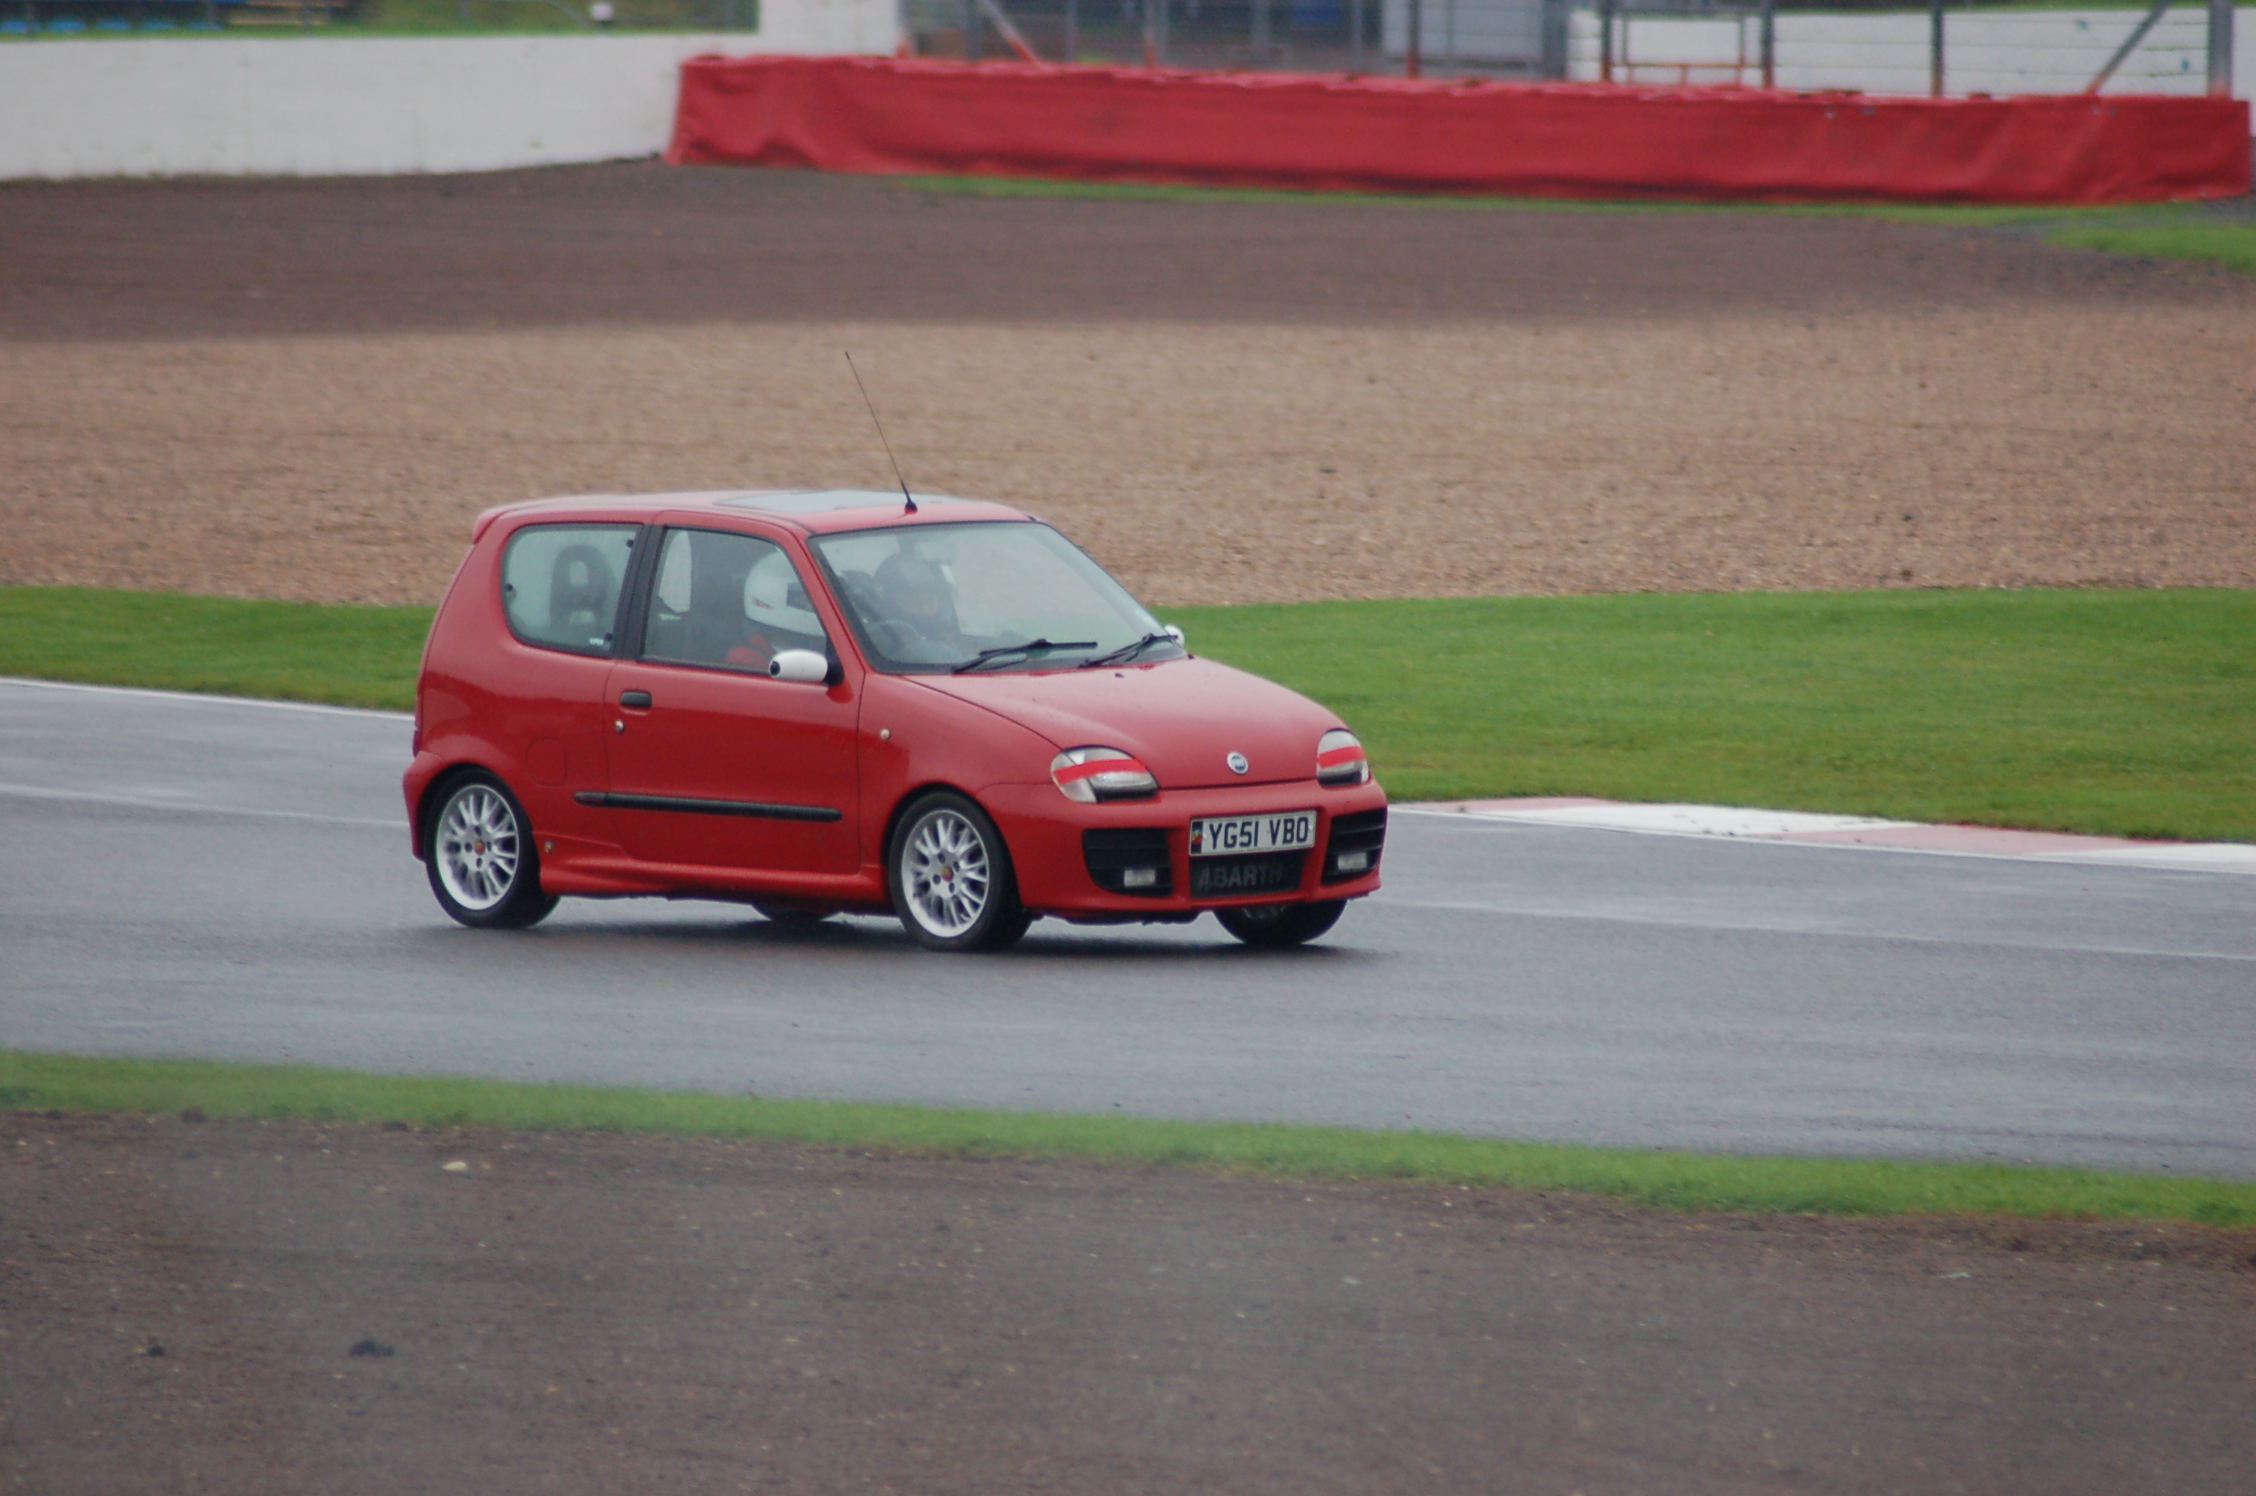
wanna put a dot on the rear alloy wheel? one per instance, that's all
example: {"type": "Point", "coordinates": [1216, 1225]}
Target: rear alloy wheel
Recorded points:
{"type": "Point", "coordinates": [1281, 924]}
{"type": "Point", "coordinates": [951, 877]}
{"type": "Point", "coordinates": [482, 863]}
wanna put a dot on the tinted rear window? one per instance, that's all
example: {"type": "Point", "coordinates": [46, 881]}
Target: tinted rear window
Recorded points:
{"type": "Point", "coordinates": [561, 584]}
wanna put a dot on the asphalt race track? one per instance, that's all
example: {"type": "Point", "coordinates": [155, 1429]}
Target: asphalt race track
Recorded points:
{"type": "Point", "coordinates": [199, 877]}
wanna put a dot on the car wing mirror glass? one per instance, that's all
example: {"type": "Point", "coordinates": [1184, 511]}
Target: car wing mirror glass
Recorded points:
{"type": "Point", "coordinates": [801, 665]}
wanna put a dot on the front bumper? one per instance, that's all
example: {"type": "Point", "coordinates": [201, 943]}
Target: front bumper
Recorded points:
{"type": "Point", "coordinates": [1059, 866]}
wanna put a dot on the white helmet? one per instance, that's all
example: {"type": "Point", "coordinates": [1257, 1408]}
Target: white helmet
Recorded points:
{"type": "Point", "coordinates": [774, 599]}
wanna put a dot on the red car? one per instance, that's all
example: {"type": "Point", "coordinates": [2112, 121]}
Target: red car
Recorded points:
{"type": "Point", "coordinates": [825, 702]}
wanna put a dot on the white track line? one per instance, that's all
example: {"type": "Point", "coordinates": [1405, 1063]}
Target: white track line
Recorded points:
{"type": "Point", "coordinates": [1799, 828]}
{"type": "Point", "coordinates": [208, 699]}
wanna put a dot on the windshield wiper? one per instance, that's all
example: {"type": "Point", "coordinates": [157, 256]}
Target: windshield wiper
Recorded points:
{"type": "Point", "coordinates": [1031, 647]}
{"type": "Point", "coordinates": [1127, 651]}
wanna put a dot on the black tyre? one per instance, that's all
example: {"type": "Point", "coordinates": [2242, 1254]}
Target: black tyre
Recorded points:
{"type": "Point", "coordinates": [1281, 924]}
{"type": "Point", "coordinates": [483, 865]}
{"type": "Point", "coordinates": [951, 877]}
{"type": "Point", "coordinates": [792, 916]}
{"type": "Point", "coordinates": [1009, 932]}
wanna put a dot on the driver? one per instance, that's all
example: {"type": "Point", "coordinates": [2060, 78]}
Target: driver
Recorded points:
{"type": "Point", "coordinates": [918, 596]}
{"type": "Point", "coordinates": [776, 613]}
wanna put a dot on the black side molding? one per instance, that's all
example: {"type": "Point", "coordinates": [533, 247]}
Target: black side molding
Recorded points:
{"type": "Point", "coordinates": [752, 808]}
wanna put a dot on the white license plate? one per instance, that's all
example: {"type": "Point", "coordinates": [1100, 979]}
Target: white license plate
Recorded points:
{"type": "Point", "coordinates": [1234, 836]}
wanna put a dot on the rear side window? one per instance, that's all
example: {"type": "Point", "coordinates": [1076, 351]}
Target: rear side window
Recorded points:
{"type": "Point", "coordinates": [561, 584]}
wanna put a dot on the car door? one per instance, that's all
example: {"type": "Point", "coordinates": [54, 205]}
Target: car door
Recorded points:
{"type": "Point", "coordinates": [713, 762]}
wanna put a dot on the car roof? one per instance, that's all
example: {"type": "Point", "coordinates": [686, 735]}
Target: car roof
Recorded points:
{"type": "Point", "coordinates": [813, 510]}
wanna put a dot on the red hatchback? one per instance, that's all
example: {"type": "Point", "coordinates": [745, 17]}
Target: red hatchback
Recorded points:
{"type": "Point", "coordinates": [833, 702]}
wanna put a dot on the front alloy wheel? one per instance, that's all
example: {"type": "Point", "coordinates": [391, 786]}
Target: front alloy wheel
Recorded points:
{"type": "Point", "coordinates": [951, 877]}
{"type": "Point", "coordinates": [1281, 924]}
{"type": "Point", "coordinates": [482, 863]}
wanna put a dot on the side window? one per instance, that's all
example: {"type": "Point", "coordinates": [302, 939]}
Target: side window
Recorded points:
{"type": "Point", "coordinates": [561, 584]}
{"type": "Point", "coordinates": [729, 600]}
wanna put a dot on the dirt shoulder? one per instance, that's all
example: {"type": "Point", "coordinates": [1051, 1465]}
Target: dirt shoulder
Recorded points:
{"type": "Point", "coordinates": [644, 245]}
{"type": "Point", "coordinates": [306, 389]}
{"type": "Point", "coordinates": [603, 1313]}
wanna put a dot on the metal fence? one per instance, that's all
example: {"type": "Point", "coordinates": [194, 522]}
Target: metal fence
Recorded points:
{"type": "Point", "coordinates": [1949, 48]}
{"type": "Point", "coordinates": [1299, 35]}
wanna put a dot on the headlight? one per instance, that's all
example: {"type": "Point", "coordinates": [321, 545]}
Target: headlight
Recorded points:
{"type": "Point", "coordinates": [1340, 759]}
{"type": "Point", "coordinates": [1092, 774]}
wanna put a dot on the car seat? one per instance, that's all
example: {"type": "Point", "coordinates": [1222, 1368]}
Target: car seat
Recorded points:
{"type": "Point", "coordinates": [582, 595]}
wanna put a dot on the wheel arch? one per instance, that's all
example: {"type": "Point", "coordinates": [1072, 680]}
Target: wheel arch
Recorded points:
{"type": "Point", "coordinates": [916, 792]}
{"type": "Point", "coordinates": [997, 920]}
{"type": "Point", "coordinates": [435, 789]}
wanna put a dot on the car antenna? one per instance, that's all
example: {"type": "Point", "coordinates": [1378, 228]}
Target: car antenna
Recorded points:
{"type": "Point", "coordinates": [908, 504]}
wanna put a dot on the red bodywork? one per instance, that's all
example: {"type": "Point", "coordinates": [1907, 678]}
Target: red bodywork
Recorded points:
{"type": "Point", "coordinates": [551, 725]}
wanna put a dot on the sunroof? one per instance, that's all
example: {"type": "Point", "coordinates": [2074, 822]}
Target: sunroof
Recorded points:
{"type": "Point", "coordinates": [823, 500]}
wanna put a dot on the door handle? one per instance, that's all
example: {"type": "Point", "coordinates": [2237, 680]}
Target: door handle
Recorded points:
{"type": "Point", "coordinates": [635, 698]}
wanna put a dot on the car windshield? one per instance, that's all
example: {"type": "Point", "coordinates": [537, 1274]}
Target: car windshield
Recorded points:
{"type": "Point", "coordinates": [991, 595]}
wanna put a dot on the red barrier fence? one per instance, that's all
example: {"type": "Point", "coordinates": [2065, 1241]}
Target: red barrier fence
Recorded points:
{"type": "Point", "coordinates": [864, 114]}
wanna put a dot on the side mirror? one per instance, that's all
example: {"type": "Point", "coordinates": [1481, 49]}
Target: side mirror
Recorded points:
{"type": "Point", "coordinates": [1172, 632]}
{"type": "Point", "coordinates": [801, 665]}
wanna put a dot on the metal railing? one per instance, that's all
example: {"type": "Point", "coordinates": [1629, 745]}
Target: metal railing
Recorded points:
{"type": "Point", "coordinates": [1302, 35]}
{"type": "Point", "coordinates": [1944, 48]}
{"type": "Point", "coordinates": [1613, 36]}
{"type": "Point", "coordinates": [1956, 50]}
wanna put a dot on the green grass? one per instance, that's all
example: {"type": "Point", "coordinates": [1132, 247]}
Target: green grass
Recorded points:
{"type": "Point", "coordinates": [2229, 244]}
{"type": "Point", "coordinates": [351, 656]}
{"type": "Point", "coordinates": [1680, 1181]}
{"type": "Point", "coordinates": [2130, 713]}
{"type": "Point", "coordinates": [447, 17]}
{"type": "Point", "coordinates": [1153, 192]}
{"type": "Point", "coordinates": [457, 18]}
{"type": "Point", "coordinates": [2223, 234]}
{"type": "Point", "coordinates": [1973, 215]}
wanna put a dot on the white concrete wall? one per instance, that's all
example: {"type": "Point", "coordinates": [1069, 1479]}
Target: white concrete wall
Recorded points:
{"type": "Point", "coordinates": [1472, 32]}
{"type": "Point", "coordinates": [1996, 53]}
{"type": "Point", "coordinates": [317, 106]}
